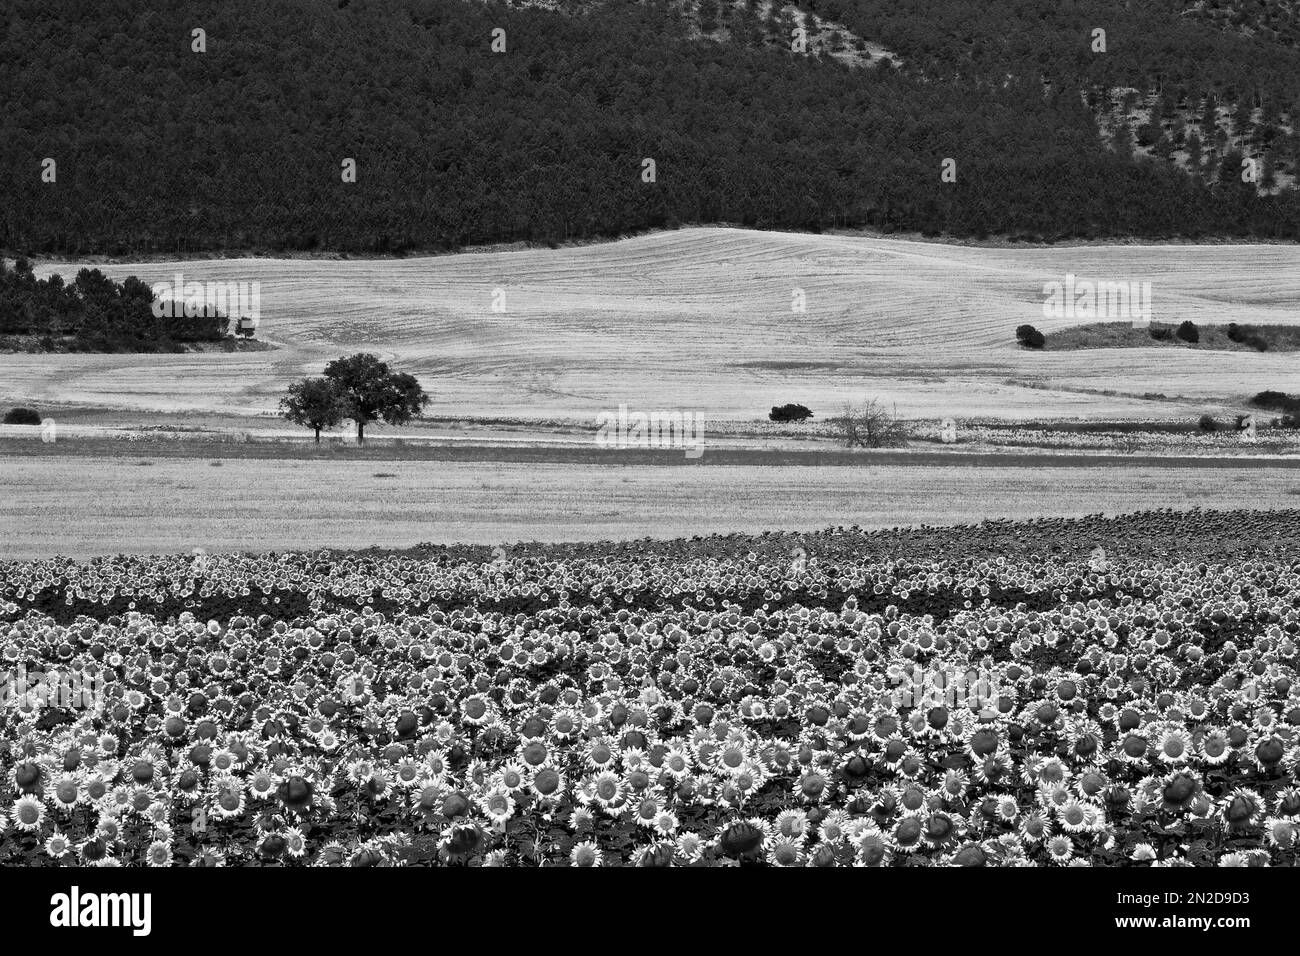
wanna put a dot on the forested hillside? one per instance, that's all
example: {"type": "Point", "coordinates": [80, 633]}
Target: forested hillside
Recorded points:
{"type": "Point", "coordinates": [158, 148]}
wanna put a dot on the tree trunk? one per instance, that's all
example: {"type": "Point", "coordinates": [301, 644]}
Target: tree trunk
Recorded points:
{"type": "Point", "coordinates": [361, 433]}
{"type": "Point", "coordinates": [318, 436]}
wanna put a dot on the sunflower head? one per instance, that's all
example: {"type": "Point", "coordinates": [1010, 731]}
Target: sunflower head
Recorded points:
{"type": "Point", "coordinates": [741, 840]}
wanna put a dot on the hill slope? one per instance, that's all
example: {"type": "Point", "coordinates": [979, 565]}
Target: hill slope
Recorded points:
{"type": "Point", "coordinates": [701, 319]}
{"type": "Point", "coordinates": [157, 147]}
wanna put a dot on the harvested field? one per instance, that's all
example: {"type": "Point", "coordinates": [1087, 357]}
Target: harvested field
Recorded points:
{"type": "Point", "coordinates": [701, 319]}
{"type": "Point", "coordinates": [86, 505]}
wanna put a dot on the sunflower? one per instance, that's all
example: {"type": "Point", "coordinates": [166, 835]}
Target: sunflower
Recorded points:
{"type": "Point", "coordinates": [954, 785]}
{"type": "Point", "coordinates": [677, 762]}
{"type": "Point", "coordinates": [666, 823]}
{"type": "Point", "coordinates": [108, 827]}
{"type": "Point", "coordinates": [28, 813]}
{"type": "Point", "coordinates": [1178, 789]}
{"type": "Point", "coordinates": [227, 797]}
{"type": "Point", "coordinates": [744, 839]}
{"type": "Point", "coordinates": [941, 830]}
{"type": "Point", "coordinates": [476, 710]}
{"type": "Point", "coordinates": [1035, 827]}
{"type": "Point", "coordinates": [57, 845]}
{"type": "Point", "coordinates": [547, 783]}
{"type": "Point", "coordinates": [1288, 802]}
{"type": "Point", "coordinates": [832, 827]}
{"type": "Point", "coordinates": [378, 786]}
{"type": "Point", "coordinates": [460, 842]}
{"type": "Point", "coordinates": [359, 771]}
{"type": "Point", "coordinates": [607, 789]}
{"type": "Point", "coordinates": [64, 792]}
{"type": "Point", "coordinates": [1143, 853]}
{"type": "Point", "coordinates": [159, 853]}
{"type": "Point", "coordinates": [436, 763]}
{"type": "Point", "coordinates": [261, 785]}
{"type": "Point", "coordinates": [1073, 815]}
{"type": "Point", "coordinates": [600, 754]}
{"type": "Point", "coordinates": [646, 809]}
{"type": "Point", "coordinates": [1174, 746]}
{"type": "Point", "coordinates": [1242, 809]}
{"type": "Point", "coordinates": [813, 786]}
{"type": "Point", "coordinates": [908, 834]}
{"type": "Point", "coordinates": [690, 847]}
{"type": "Point", "coordinates": [586, 853]}
{"type": "Point", "coordinates": [730, 757]}
{"type": "Point", "coordinates": [1060, 849]}
{"type": "Point", "coordinates": [498, 805]}
{"type": "Point", "coordinates": [511, 775]}
{"type": "Point", "coordinates": [158, 814]}
{"type": "Point", "coordinates": [785, 851]}
{"type": "Point", "coordinates": [873, 847]}
{"type": "Point", "coordinates": [792, 824]}
{"type": "Point", "coordinates": [1280, 833]}
{"type": "Point", "coordinates": [225, 761]}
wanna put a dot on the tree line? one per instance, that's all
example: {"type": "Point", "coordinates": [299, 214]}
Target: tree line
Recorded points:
{"type": "Point", "coordinates": [161, 149]}
{"type": "Point", "coordinates": [93, 313]}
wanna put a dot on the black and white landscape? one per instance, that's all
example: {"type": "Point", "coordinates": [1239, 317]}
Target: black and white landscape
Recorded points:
{"type": "Point", "coordinates": [680, 432]}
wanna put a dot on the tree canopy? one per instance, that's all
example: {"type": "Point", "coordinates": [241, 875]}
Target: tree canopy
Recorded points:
{"type": "Point", "coordinates": [158, 148]}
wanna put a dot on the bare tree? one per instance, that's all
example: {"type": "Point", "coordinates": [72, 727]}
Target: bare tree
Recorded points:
{"type": "Point", "coordinates": [868, 424]}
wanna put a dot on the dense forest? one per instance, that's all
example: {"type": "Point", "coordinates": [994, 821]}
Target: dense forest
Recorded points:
{"type": "Point", "coordinates": [159, 148]}
{"type": "Point", "coordinates": [93, 313]}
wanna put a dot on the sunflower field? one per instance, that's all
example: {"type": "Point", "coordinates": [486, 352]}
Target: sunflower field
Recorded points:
{"type": "Point", "coordinates": [1107, 692]}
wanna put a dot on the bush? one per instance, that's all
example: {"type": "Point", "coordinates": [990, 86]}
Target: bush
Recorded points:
{"type": "Point", "coordinates": [1247, 336]}
{"type": "Point", "coordinates": [1287, 421]}
{"type": "Point", "coordinates": [1030, 337]}
{"type": "Point", "coordinates": [869, 425]}
{"type": "Point", "coordinates": [1277, 401]}
{"type": "Point", "coordinates": [1188, 332]}
{"type": "Point", "coordinates": [1208, 423]}
{"type": "Point", "coordinates": [22, 416]}
{"type": "Point", "coordinates": [789, 413]}
{"type": "Point", "coordinates": [1160, 333]}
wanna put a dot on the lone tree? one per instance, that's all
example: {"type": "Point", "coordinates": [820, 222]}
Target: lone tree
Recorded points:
{"type": "Point", "coordinates": [315, 403]}
{"type": "Point", "coordinates": [371, 391]}
{"type": "Point", "coordinates": [1187, 331]}
{"type": "Point", "coordinates": [1030, 337]}
{"type": "Point", "coordinates": [869, 425]}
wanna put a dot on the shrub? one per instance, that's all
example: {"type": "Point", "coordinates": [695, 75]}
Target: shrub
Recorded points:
{"type": "Point", "coordinates": [869, 425]}
{"type": "Point", "coordinates": [1287, 421]}
{"type": "Point", "coordinates": [1160, 333]}
{"type": "Point", "coordinates": [1276, 401]}
{"type": "Point", "coordinates": [789, 413]}
{"type": "Point", "coordinates": [22, 416]}
{"type": "Point", "coordinates": [1247, 336]}
{"type": "Point", "coordinates": [1030, 337]}
{"type": "Point", "coordinates": [1188, 332]}
{"type": "Point", "coordinates": [1208, 423]}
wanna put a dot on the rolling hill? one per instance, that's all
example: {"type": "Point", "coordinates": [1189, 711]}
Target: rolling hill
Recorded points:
{"type": "Point", "coordinates": [701, 319]}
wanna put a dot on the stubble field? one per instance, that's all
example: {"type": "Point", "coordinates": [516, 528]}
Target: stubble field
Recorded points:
{"type": "Point", "coordinates": [701, 319]}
